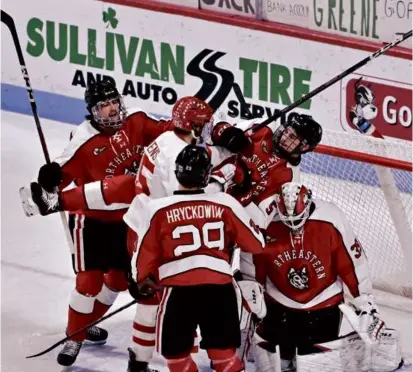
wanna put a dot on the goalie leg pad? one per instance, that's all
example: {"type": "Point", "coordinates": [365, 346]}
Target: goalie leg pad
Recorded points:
{"type": "Point", "coordinates": [267, 356]}
{"type": "Point", "coordinates": [387, 355]}
{"type": "Point", "coordinates": [351, 353]}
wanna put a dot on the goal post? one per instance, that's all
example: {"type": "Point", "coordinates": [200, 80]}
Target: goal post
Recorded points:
{"type": "Point", "coordinates": [370, 179]}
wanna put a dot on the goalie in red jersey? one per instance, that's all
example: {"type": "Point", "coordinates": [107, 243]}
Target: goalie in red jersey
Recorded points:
{"type": "Point", "coordinates": [312, 255]}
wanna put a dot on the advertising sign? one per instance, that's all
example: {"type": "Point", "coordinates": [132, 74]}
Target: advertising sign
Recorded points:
{"type": "Point", "coordinates": [154, 66]}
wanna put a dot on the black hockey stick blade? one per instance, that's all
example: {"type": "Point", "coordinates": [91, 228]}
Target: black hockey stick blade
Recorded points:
{"type": "Point", "coordinates": [334, 80]}
{"type": "Point", "coordinates": [63, 340]}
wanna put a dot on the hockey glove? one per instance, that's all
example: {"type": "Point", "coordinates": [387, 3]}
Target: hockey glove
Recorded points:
{"type": "Point", "coordinates": [229, 137]}
{"type": "Point", "coordinates": [363, 316]}
{"type": "Point", "coordinates": [50, 176]}
{"type": "Point", "coordinates": [143, 290]}
{"type": "Point", "coordinates": [36, 200]}
{"type": "Point", "coordinates": [224, 173]}
{"type": "Point", "coordinates": [253, 294]}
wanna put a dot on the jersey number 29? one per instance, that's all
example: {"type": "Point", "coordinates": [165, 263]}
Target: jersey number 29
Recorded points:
{"type": "Point", "coordinates": [196, 237]}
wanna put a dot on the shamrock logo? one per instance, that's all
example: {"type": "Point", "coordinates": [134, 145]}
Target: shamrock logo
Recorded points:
{"type": "Point", "coordinates": [109, 17]}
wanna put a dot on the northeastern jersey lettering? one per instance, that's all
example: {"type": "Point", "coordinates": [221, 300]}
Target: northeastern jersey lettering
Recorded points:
{"type": "Point", "coordinates": [264, 209]}
{"type": "Point", "coordinates": [186, 239]}
{"type": "Point", "coordinates": [308, 271]}
{"type": "Point", "coordinates": [92, 155]}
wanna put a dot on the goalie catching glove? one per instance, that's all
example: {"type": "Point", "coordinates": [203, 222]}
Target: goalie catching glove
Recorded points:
{"type": "Point", "coordinates": [363, 316]}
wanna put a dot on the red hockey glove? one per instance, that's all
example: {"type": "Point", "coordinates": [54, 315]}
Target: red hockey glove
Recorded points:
{"type": "Point", "coordinates": [250, 179]}
{"type": "Point", "coordinates": [229, 137]}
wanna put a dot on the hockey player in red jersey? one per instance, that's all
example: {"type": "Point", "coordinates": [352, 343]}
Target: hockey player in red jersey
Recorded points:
{"type": "Point", "coordinates": [312, 254]}
{"type": "Point", "coordinates": [276, 153]}
{"type": "Point", "coordinates": [156, 179]}
{"type": "Point", "coordinates": [184, 244]}
{"type": "Point", "coordinates": [108, 143]}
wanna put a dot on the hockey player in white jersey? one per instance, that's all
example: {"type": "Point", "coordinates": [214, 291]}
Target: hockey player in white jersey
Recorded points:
{"type": "Point", "coordinates": [312, 256]}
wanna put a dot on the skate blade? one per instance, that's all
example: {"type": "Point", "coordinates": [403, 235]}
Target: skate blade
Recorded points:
{"type": "Point", "coordinates": [93, 343]}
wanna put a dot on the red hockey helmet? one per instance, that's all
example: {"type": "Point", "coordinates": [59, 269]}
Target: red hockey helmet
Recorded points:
{"type": "Point", "coordinates": [190, 114]}
{"type": "Point", "coordinates": [294, 205]}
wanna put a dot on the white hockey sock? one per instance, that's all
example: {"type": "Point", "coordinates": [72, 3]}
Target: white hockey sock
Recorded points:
{"type": "Point", "coordinates": [143, 340]}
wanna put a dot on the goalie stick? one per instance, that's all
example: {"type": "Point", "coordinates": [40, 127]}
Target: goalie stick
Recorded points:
{"type": "Point", "coordinates": [329, 83]}
{"type": "Point", "coordinates": [9, 22]}
{"type": "Point", "coordinates": [63, 340]}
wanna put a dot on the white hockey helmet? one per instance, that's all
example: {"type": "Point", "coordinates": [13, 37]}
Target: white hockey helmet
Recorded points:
{"type": "Point", "coordinates": [294, 204]}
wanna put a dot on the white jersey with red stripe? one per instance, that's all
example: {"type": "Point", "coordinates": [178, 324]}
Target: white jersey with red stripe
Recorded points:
{"type": "Point", "coordinates": [187, 238]}
{"type": "Point", "coordinates": [156, 176]}
{"type": "Point", "coordinates": [308, 271]}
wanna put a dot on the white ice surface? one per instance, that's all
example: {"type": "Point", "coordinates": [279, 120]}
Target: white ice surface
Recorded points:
{"type": "Point", "coordinates": [36, 272]}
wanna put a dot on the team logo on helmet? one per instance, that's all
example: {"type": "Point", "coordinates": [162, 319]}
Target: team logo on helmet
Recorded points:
{"type": "Point", "coordinates": [298, 279]}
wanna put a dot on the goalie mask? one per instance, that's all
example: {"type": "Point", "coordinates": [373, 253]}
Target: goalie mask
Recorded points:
{"type": "Point", "coordinates": [105, 105]}
{"type": "Point", "coordinates": [193, 167]}
{"type": "Point", "coordinates": [294, 205]}
{"type": "Point", "coordinates": [300, 134]}
{"type": "Point", "coordinates": [191, 115]}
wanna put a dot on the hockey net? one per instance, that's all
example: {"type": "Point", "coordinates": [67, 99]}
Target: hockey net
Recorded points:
{"type": "Point", "coordinates": [370, 180]}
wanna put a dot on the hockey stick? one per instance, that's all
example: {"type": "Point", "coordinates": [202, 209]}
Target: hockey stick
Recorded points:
{"type": "Point", "coordinates": [242, 102]}
{"type": "Point", "coordinates": [334, 80]}
{"type": "Point", "coordinates": [9, 22]}
{"type": "Point", "coordinates": [63, 340]}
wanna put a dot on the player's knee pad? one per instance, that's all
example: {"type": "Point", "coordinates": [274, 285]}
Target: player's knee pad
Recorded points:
{"type": "Point", "coordinates": [144, 331]}
{"type": "Point", "coordinates": [181, 363]}
{"type": "Point", "coordinates": [116, 280]}
{"type": "Point", "coordinates": [225, 360]}
{"type": "Point", "coordinates": [89, 283]}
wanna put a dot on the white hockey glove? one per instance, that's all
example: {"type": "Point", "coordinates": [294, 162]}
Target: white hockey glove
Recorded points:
{"type": "Point", "coordinates": [253, 300]}
{"type": "Point", "coordinates": [365, 109]}
{"type": "Point", "coordinates": [36, 200]}
{"type": "Point", "coordinates": [363, 316]}
{"type": "Point", "coordinates": [224, 175]}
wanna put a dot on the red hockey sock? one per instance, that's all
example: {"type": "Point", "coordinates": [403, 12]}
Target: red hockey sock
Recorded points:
{"type": "Point", "coordinates": [88, 285]}
{"type": "Point", "coordinates": [77, 321]}
{"type": "Point", "coordinates": [225, 360]}
{"type": "Point", "coordinates": [185, 364]}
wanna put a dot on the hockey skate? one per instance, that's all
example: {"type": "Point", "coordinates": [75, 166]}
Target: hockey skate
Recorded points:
{"type": "Point", "coordinates": [69, 353]}
{"type": "Point", "coordinates": [96, 336]}
{"type": "Point", "coordinates": [137, 366]}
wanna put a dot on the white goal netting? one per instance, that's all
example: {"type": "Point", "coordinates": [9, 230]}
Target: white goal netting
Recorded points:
{"type": "Point", "coordinates": [376, 199]}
